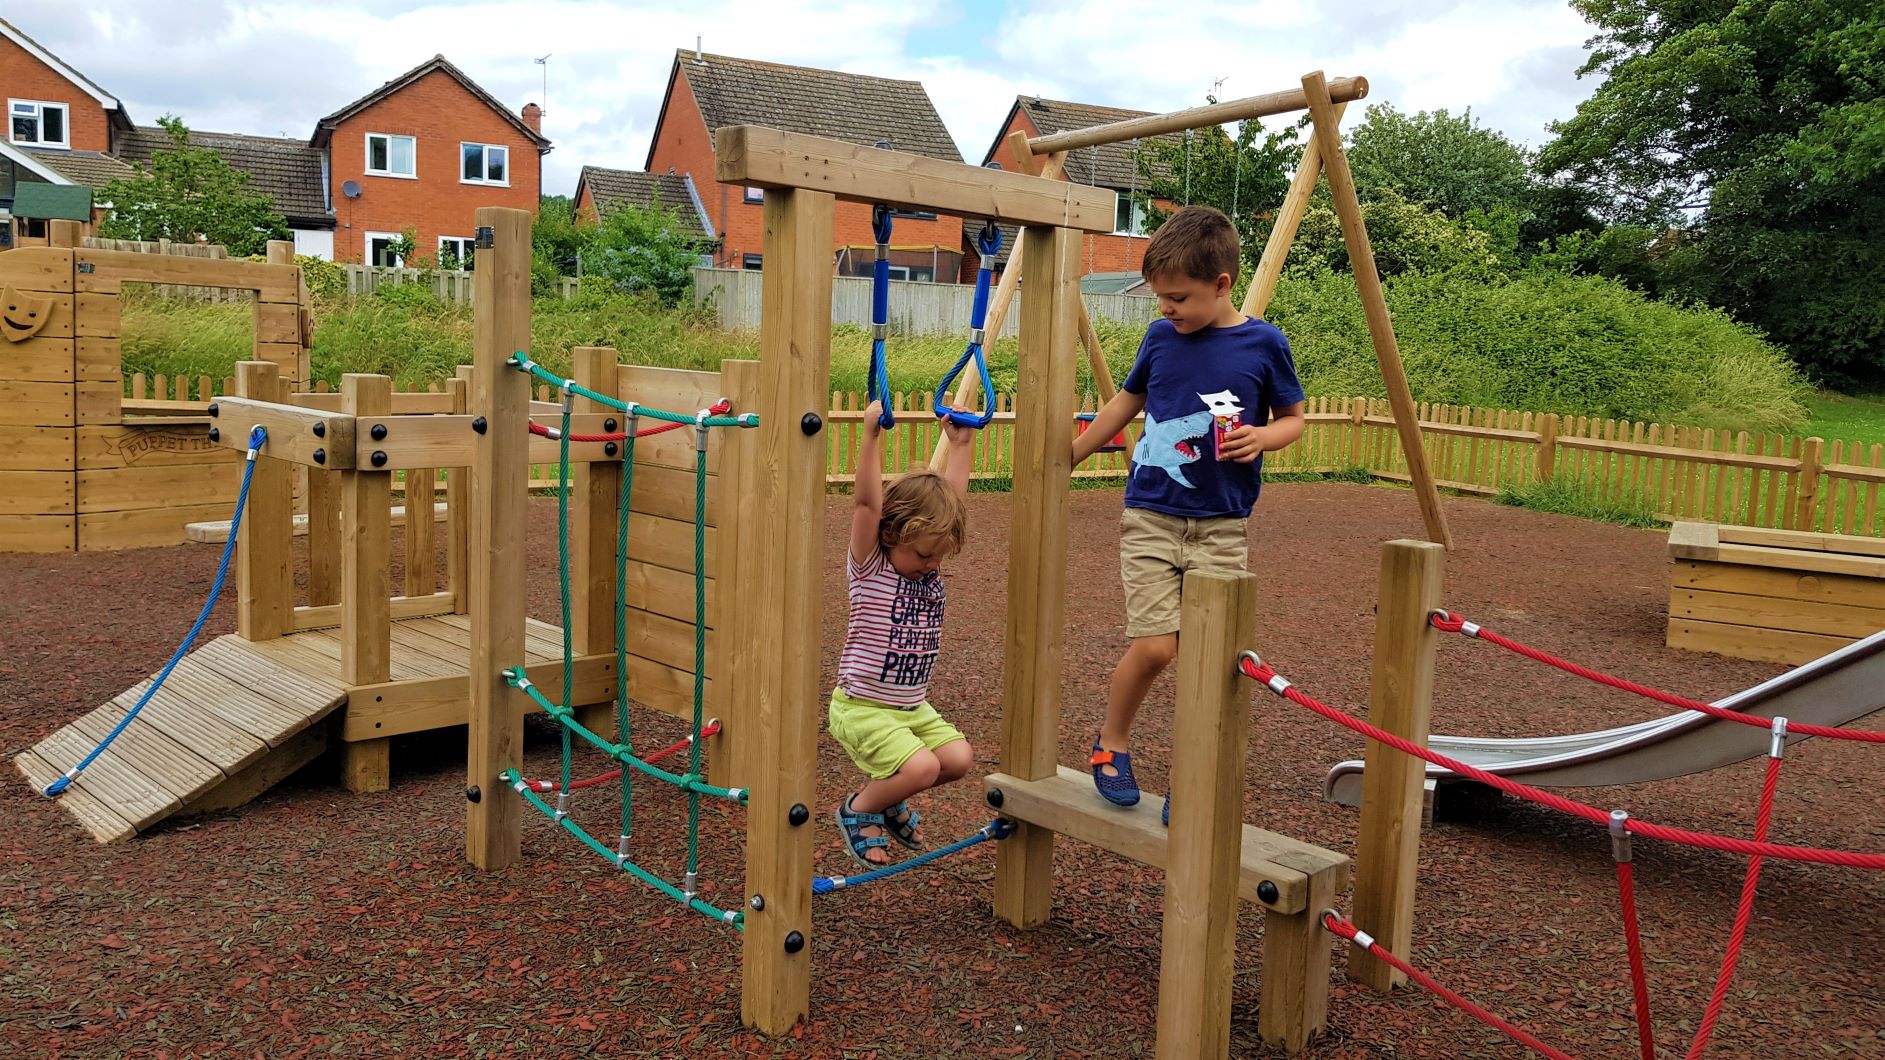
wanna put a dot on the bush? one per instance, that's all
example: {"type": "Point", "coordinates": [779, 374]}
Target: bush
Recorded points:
{"type": "Point", "coordinates": [326, 280]}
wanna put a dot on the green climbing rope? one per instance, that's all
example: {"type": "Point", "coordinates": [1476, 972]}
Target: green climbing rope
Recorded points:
{"type": "Point", "coordinates": [525, 364]}
{"type": "Point", "coordinates": [619, 752]}
{"type": "Point", "coordinates": [563, 821]}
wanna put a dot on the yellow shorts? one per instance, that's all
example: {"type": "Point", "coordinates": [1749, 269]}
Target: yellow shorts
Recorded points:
{"type": "Point", "coordinates": [881, 738]}
{"type": "Point", "coordinates": [1155, 551]}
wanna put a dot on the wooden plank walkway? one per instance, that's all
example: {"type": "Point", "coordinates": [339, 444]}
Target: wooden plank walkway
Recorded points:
{"type": "Point", "coordinates": [232, 708]}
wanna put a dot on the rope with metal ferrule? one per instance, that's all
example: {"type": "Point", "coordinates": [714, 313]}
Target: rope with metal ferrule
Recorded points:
{"type": "Point", "coordinates": [258, 436]}
{"type": "Point", "coordinates": [988, 244]}
{"type": "Point", "coordinates": [877, 376]}
{"type": "Point", "coordinates": [524, 364]}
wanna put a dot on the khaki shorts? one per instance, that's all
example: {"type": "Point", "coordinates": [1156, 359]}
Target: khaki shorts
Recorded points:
{"type": "Point", "coordinates": [1155, 551]}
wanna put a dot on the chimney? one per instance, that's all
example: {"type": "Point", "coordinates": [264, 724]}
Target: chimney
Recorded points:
{"type": "Point", "coordinates": [699, 58]}
{"type": "Point", "coordinates": [533, 117]}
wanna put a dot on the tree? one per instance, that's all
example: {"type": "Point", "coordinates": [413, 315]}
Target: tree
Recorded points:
{"type": "Point", "coordinates": [644, 248]}
{"type": "Point", "coordinates": [1451, 164]}
{"type": "Point", "coordinates": [1405, 237]}
{"type": "Point", "coordinates": [1759, 130]}
{"type": "Point", "coordinates": [189, 193]}
{"type": "Point", "coordinates": [1245, 176]}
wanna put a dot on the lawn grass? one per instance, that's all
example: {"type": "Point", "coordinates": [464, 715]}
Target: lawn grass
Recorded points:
{"type": "Point", "coordinates": [1838, 417]}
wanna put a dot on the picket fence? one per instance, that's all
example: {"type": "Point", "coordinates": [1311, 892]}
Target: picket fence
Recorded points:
{"type": "Point", "coordinates": [1673, 472]}
{"type": "Point", "coordinates": [448, 285]}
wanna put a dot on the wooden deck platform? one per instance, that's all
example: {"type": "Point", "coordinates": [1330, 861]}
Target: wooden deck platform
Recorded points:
{"type": "Point", "coordinates": [237, 716]}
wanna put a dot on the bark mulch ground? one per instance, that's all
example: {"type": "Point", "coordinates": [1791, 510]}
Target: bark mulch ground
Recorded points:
{"type": "Point", "coordinates": [317, 922]}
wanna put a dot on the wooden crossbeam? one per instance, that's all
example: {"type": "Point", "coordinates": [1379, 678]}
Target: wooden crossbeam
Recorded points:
{"type": "Point", "coordinates": [769, 158]}
{"type": "Point", "coordinates": [1341, 90]}
{"type": "Point", "coordinates": [292, 432]}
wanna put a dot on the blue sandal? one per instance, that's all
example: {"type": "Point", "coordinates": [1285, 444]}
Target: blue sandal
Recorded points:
{"type": "Point", "coordinates": [901, 821]}
{"type": "Point", "coordinates": [1121, 790]}
{"type": "Point", "coordinates": [857, 843]}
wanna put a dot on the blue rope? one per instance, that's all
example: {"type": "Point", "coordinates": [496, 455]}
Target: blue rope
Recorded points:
{"type": "Point", "coordinates": [257, 436]}
{"type": "Point", "coordinates": [999, 828]}
{"type": "Point", "coordinates": [877, 376]}
{"type": "Point", "coordinates": [989, 244]}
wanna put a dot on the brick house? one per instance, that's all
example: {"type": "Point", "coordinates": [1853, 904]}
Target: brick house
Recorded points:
{"type": "Point", "coordinates": [1111, 166]}
{"type": "Point", "coordinates": [425, 150]}
{"type": "Point", "coordinates": [600, 190]}
{"type": "Point", "coordinates": [58, 121]}
{"type": "Point", "coordinates": [707, 92]}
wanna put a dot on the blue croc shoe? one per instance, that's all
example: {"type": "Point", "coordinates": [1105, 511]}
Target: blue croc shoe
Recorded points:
{"type": "Point", "coordinates": [1121, 790]}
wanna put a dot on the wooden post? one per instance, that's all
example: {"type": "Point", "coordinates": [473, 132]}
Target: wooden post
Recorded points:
{"type": "Point", "coordinates": [500, 477]}
{"type": "Point", "coordinates": [1547, 465]}
{"type": "Point", "coordinates": [1288, 221]}
{"type": "Point", "coordinates": [1209, 739]}
{"type": "Point", "coordinates": [1806, 498]}
{"type": "Point", "coordinates": [788, 546]}
{"type": "Point", "coordinates": [1328, 137]}
{"type": "Point", "coordinates": [1037, 558]}
{"type": "Point", "coordinates": [595, 487]}
{"type": "Point", "coordinates": [458, 504]}
{"type": "Point", "coordinates": [1400, 701]}
{"type": "Point", "coordinates": [727, 669]}
{"type": "Point", "coordinates": [264, 574]}
{"type": "Point", "coordinates": [366, 630]}
{"type": "Point", "coordinates": [323, 537]}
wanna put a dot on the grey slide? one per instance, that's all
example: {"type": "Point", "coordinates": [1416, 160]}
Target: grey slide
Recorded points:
{"type": "Point", "coordinates": [1832, 690]}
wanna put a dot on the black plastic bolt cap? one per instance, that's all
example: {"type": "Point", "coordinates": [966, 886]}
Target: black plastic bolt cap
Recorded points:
{"type": "Point", "coordinates": [473, 793]}
{"type": "Point", "coordinates": [1266, 891]}
{"type": "Point", "coordinates": [379, 458]}
{"type": "Point", "coordinates": [215, 434]}
{"type": "Point", "coordinates": [794, 942]}
{"type": "Point", "coordinates": [320, 430]}
{"type": "Point", "coordinates": [378, 432]}
{"type": "Point", "coordinates": [811, 423]}
{"type": "Point", "coordinates": [798, 814]}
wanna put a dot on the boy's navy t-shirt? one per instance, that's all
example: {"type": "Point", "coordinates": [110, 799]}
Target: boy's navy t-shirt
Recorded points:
{"type": "Point", "coordinates": [1195, 386]}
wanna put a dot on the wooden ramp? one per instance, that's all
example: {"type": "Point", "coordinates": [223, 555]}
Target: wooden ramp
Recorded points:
{"type": "Point", "coordinates": [234, 718]}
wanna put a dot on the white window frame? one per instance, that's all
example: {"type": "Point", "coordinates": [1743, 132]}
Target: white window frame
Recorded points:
{"type": "Point", "coordinates": [900, 272]}
{"type": "Point", "coordinates": [467, 246]}
{"type": "Point", "coordinates": [398, 263]}
{"type": "Point", "coordinates": [1137, 214]}
{"type": "Point", "coordinates": [366, 159]}
{"type": "Point", "coordinates": [39, 115]}
{"type": "Point", "coordinates": [486, 148]}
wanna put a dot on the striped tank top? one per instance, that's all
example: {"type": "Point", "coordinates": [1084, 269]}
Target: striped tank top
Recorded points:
{"type": "Point", "coordinates": [894, 635]}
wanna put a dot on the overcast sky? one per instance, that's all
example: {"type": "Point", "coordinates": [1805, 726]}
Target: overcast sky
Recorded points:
{"type": "Point", "coordinates": [275, 68]}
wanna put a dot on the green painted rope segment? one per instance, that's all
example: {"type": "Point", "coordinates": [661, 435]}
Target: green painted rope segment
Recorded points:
{"type": "Point", "coordinates": [523, 363]}
{"type": "Point", "coordinates": [562, 820]}
{"type": "Point", "coordinates": [616, 751]}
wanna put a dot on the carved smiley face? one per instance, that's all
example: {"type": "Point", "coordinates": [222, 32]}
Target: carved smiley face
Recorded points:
{"type": "Point", "coordinates": [22, 315]}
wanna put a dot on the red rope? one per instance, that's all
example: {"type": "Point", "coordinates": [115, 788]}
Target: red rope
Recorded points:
{"type": "Point", "coordinates": [669, 751]}
{"type": "Point", "coordinates": [1347, 930]}
{"type": "Point", "coordinates": [1264, 673]}
{"type": "Point", "coordinates": [1639, 981]}
{"type": "Point", "coordinates": [1743, 913]}
{"type": "Point", "coordinates": [719, 408]}
{"type": "Point", "coordinates": [1453, 623]}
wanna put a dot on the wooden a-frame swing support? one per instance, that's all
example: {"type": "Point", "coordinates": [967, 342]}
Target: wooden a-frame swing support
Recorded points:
{"type": "Point", "coordinates": [1047, 156]}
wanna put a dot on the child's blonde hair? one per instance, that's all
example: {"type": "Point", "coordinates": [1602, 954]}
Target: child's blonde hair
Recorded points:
{"type": "Point", "coordinates": [921, 504]}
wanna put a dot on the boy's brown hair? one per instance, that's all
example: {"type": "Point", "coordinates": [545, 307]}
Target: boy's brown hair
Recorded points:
{"type": "Point", "coordinates": [922, 504]}
{"type": "Point", "coordinates": [1197, 242]}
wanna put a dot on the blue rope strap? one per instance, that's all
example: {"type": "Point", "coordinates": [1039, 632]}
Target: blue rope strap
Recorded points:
{"type": "Point", "coordinates": [999, 828]}
{"type": "Point", "coordinates": [989, 245]}
{"type": "Point", "coordinates": [257, 436]}
{"type": "Point", "coordinates": [877, 377]}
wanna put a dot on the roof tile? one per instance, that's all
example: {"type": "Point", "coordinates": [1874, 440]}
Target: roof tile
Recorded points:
{"type": "Point", "coordinates": [612, 187]}
{"type": "Point", "coordinates": [854, 108]}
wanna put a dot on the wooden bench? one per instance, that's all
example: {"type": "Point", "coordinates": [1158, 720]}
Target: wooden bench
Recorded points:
{"type": "Point", "coordinates": [1782, 596]}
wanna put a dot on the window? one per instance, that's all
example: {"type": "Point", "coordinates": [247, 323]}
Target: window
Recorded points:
{"type": "Point", "coordinates": [392, 156]}
{"type": "Point", "coordinates": [755, 195]}
{"type": "Point", "coordinates": [899, 272]}
{"type": "Point", "coordinates": [456, 252]}
{"type": "Point", "coordinates": [381, 249]}
{"type": "Point", "coordinates": [750, 262]}
{"type": "Point", "coordinates": [484, 164]}
{"type": "Point", "coordinates": [39, 124]}
{"type": "Point", "coordinates": [1129, 216]}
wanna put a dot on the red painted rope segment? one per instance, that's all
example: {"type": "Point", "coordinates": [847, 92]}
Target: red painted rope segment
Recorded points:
{"type": "Point", "coordinates": [1743, 913]}
{"type": "Point", "coordinates": [1448, 622]}
{"type": "Point", "coordinates": [719, 408]}
{"type": "Point", "coordinates": [669, 751]}
{"type": "Point", "coordinates": [1639, 980]}
{"type": "Point", "coordinates": [1264, 673]}
{"type": "Point", "coordinates": [1344, 928]}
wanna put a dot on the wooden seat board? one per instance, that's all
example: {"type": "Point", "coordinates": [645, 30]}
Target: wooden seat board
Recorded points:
{"type": "Point", "coordinates": [1067, 804]}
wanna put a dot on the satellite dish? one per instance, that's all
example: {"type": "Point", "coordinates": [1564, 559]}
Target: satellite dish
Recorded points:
{"type": "Point", "coordinates": [351, 189]}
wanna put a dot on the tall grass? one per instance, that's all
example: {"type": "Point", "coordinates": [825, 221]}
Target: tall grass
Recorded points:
{"type": "Point", "coordinates": [1564, 494]}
